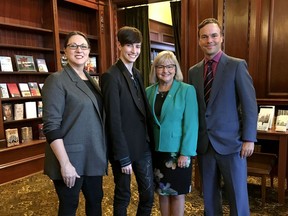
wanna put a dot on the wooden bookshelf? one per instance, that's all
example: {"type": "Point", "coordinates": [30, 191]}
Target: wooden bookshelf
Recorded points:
{"type": "Point", "coordinates": [38, 28]}
{"type": "Point", "coordinates": [161, 37]}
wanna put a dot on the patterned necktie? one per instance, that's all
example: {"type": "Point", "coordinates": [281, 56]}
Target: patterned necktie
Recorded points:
{"type": "Point", "coordinates": [208, 81]}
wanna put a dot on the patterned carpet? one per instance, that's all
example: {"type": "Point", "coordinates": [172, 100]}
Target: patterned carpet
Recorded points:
{"type": "Point", "coordinates": [35, 196]}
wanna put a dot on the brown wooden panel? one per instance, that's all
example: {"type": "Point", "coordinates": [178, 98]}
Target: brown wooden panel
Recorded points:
{"type": "Point", "coordinates": [277, 60]}
{"type": "Point", "coordinates": [27, 13]}
{"type": "Point", "coordinates": [77, 18]}
{"type": "Point", "coordinates": [127, 3]}
{"type": "Point", "coordinates": [19, 169]}
{"type": "Point", "coordinates": [168, 39]}
{"type": "Point", "coordinates": [154, 36]}
{"type": "Point", "coordinates": [161, 32]}
{"type": "Point", "coordinates": [22, 151]}
{"type": "Point", "coordinates": [87, 3]}
{"type": "Point", "coordinates": [236, 28]}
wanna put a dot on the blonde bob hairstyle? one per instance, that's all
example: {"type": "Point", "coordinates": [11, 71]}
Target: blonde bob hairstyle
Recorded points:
{"type": "Point", "coordinates": [160, 59]}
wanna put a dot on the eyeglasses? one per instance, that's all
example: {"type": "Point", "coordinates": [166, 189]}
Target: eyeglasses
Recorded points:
{"type": "Point", "coordinates": [74, 46]}
{"type": "Point", "coordinates": [169, 67]}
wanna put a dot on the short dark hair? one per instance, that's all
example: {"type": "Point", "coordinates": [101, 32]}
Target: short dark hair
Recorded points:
{"type": "Point", "coordinates": [75, 33]}
{"type": "Point", "coordinates": [129, 35]}
{"type": "Point", "coordinates": [209, 21]}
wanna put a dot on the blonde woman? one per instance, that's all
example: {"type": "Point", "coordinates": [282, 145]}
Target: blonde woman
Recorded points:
{"type": "Point", "coordinates": [175, 112]}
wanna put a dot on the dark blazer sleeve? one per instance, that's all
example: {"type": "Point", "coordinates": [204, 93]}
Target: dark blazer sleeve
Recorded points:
{"type": "Point", "coordinates": [116, 138]}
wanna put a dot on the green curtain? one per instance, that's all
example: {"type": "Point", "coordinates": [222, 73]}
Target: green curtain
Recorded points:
{"type": "Point", "coordinates": [176, 23]}
{"type": "Point", "coordinates": [138, 17]}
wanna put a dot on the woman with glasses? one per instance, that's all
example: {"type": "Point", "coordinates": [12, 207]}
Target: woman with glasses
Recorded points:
{"type": "Point", "coordinates": [175, 111]}
{"type": "Point", "coordinates": [73, 117]}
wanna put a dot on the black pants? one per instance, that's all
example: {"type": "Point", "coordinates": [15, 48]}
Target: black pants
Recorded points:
{"type": "Point", "coordinates": [144, 176]}
{"type": "Point", "coordinates": [91, 187]}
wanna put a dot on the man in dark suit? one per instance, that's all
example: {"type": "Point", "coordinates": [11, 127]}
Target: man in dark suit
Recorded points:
{"type": "Point", "coordinates": [227, 122]}
{"type": "Point", "coordinates": [128, 117]}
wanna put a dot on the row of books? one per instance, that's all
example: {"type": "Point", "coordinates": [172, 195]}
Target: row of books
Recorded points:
{"type": "Point", "coordinates": [12, 135]}
{"type": "Point", "coordinates": [266, 119]}
{"type": "Point", "coordinates": [31, 109]}
{"type": "Point", "coordinates": [29, 89]}
{"type": "Point", "coordinates": [154, 53]}
{"type": "Point", "coordinates": [26, 63]}
{"type": "Point", "coordinates": [23, 63]}
{"type": "Point", "coordinates": [90, 65]}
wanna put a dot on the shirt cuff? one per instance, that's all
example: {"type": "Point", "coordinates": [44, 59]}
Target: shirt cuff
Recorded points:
{"type": "Point", "coordinates": [125, 162]}
{"type": "Point", "coordinates": [53, 135]}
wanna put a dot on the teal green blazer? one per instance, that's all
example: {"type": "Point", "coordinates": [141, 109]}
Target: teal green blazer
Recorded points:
{"type": "Point", "coordinates": [177, 128]}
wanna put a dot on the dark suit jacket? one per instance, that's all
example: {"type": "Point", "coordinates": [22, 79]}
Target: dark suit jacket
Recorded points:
{"type": "Point", "coordinates": [128, 123]}
{"type": "Point", "coordinates": [71, 112]}
{"type": "Point", "coordinates": [231, 115]}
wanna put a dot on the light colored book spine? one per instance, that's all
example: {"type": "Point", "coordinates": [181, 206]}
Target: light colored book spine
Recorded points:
{"type": "Point", "coordinates": [30, 109]}
{"type": "Point", "coordinates": [6, 63]}
{"type": "Point", "coordinates": [4, 90]}
{"type": "Point", "coordinates": [12, 137]}
{"type": "Point", "coordinates": [18, 111]}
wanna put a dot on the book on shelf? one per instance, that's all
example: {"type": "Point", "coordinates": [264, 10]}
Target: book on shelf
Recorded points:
{"type": "Point", "coordinates": [6, 64]}
{"type": "Point", "coordinates": [91, 65]}
{"type": "Point", "coordinates": [41, 65]}
{"type": "Point", "coordinates": [30, 109]}
{"type": "Point", "coordinates": [26, 134]}
{"type": "Point", "coordinates": [154, 53]}
{"type": "Point", "coordinates": [265, 117]}
{"type": "Point", "coordinates": [41, 86]}
{"type": "Point", "coordinates": [7, 112]}
{"type": "Point", "coordinates": [39, 109]}
{"type": "Point", "coordinates": [18, 111]}
{"type": "Point", "coordinates": [13, 90]}
{"type": "Point", "coordinates": [25, 63]}
{"type": "Point", "coordinates": [12, 137]}
{"type": "Point", "coordinates": [4, 90]}
{"type": "Point", "coordinates": [64, 60]}
{"type": "Point", "coordinates": [34, 89]}
{"type": "Point", "coordinates": [282, 121]}
{"type": "Point", "coordinates": [96, 78]}
{"type": "Point", "coordinates": [40, 131]}
{"type": "Point", "coordinates": [24, 89]}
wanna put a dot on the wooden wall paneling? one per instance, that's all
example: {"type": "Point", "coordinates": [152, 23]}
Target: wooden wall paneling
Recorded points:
{"type": "Point", "coordinates": [87, 3]}
{"type": "Point", "coordinates": [253, 42]}
{"type": "Point", "coordinates": [103, 41]}
{"type": "Point", "coordinates": [236, 26]}
{"type": "Point", "coordinates": [161, 32]}
{"type": "Point", "coordinates": [192, 13]}
{"type": "Point", "coordinates": [57, 55]}
{"type": "Point", "coordinates": [114, 20]}
{"type": "Point", "coordinates": [189, 41]}
{"type": "Point", "coordinates": [207, 9]}
{"type": "Point", "coordinates": [278, 52]}
{"type": "Point", "coordinates": [262, 82]}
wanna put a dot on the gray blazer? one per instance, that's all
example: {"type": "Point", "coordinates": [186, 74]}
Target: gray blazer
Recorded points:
{"type": "Point", "coordinates": [231, 115]}
{"type": "Point", "coordinates": [71, 112]}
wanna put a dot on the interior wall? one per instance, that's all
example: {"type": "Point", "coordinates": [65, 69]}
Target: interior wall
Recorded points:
{"type": "Point", "coordinates": [164, 16]}
{"type": "Point", "coordinates": [253, 30]}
